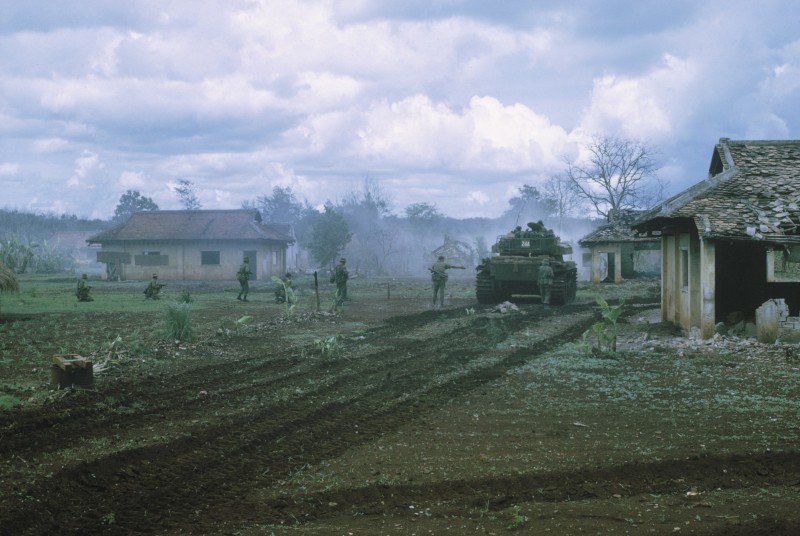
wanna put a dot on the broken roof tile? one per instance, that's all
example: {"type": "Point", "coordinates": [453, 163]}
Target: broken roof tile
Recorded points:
{"type": "Point", "coordinates": [767, 171]}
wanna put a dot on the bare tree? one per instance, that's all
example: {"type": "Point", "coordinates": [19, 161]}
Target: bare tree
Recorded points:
{"type": "Point", "coordinates": [373, 201]}
{"type": "Point", "coordinates": [186, 193]}
{"type": "Point", "coordinates": [616, 175]}
{"type": "Point", "coordinates": [562, 196]}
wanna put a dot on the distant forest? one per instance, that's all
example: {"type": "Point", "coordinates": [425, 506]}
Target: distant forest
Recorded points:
{"type": "Point", "coordinates": [375, 241]}
{"type": "Point", "coordinates": [38, 227]}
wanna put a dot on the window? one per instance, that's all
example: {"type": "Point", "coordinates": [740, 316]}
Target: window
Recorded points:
{"type": "Point", "coordinates": [209, 257]}
{"type": "Point", "coordinates": [783, 264]}
{"type": "Point", "coordinates": [151, 258]}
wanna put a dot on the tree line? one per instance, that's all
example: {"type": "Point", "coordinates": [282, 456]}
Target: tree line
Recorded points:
{"type": "Point", "coordinates": [609, 175]}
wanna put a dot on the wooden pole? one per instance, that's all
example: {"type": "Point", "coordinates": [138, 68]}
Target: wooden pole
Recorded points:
{"type": "Point", "coordinates": [316, 288]}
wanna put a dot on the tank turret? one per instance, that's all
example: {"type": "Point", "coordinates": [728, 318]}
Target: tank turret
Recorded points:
{"type": "Point", "coordinates": [513, 267]}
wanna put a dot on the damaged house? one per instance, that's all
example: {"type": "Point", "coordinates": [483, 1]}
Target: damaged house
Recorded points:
{"type": "Point", "coordinates": [618, 252]}
{"type": "Point", "coordinates": [193, 245]}
{"type": "Point", "coordinates": [456, 252]}
{"type": "Point", "coordinates": [731, 242]}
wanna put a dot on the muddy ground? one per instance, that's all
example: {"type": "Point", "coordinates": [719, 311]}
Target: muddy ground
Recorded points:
{"type": "Point", "coordinates": [392, 418]}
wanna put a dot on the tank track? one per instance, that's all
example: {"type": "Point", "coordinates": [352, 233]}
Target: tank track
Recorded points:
{"type": "Point", "coordinates": [564, 290]}
{"type": "Point", "coordinates": [484, 288]}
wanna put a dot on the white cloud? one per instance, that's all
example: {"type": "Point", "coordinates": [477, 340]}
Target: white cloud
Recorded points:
{"type": "Point", "coordinates": [7, 169]}
{"type": "Point", "coordinates": [50, 145]}
{"type": "Point", "coordinates": [418, 132]}
{"type": "Point", "coordinates": [647, 107]}
{"type": "Point", "coordinates": [132, 180]}
{"type": "Point", "coordinates": [513, 138]}
{"type": "Point", "coordinates": [443, 100]}
{"type": "Point", "coordinates": [477, 197]}
{"type": "Point", "coordinates": [84, 166]}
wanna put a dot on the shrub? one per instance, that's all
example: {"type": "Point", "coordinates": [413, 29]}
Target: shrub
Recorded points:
{"type": "Point", "coordinates": [329, 346]}
{"type": "Point", "coordinates": [185, 296]}
{"type": "Point", "coordinates": [230, 327]}
{"type": "Point", "coordinates": [9, 402]}
{"type": "Point", "coordinates": [605, 331]}
{"type": "Point", "coordinates": [178, 322]}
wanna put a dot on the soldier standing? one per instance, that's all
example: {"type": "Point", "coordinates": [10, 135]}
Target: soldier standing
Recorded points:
{"type": "Point", "coordinates": [243, 275]}
{"type": "Point", "coordinates": [439, 277]}
{"type": "Point", "coordinates": [340, 277]}
{"type": "Point", "coordinates": [82, 292]}
{"type": "Point", "coordinates": [153, 288]}
{"type": "Point", "coordinates": [545, 281]}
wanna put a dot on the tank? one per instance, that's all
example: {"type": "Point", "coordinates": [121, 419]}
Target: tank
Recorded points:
{"type": "Point", "coordinates": [513, 268]}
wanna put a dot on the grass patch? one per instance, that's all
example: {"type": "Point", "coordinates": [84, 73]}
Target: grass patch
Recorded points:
{"type": "Point", "coordinates": [178, 322]}
{"type": "Point", "coordinates": [9, 402]}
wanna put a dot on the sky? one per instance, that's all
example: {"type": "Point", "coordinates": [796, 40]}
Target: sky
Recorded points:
{"type": "Point", "coordinates": [455, 103]}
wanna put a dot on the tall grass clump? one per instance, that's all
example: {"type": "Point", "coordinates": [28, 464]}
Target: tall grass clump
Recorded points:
{"type": "Point", "coordinates": [8, 281]}
{"type": "Point", "coordinates": [178, 322]}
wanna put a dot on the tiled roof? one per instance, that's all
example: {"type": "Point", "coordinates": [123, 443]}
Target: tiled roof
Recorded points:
{"type": "Point", "coordinates": [71, 239]}
{"type": "Point", "coordinates": [752, 193]}
{"type": "Point", "coordinates": [619, 230]}
{"type": "Point", "coordinates": [195, 225]}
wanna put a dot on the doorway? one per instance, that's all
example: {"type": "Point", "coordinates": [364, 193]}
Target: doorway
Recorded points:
{"type": "Point", "coordinates": [253, 264]}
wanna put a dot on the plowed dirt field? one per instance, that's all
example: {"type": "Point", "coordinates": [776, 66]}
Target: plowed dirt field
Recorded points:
{"type": "Point", "coordinates": [392, 418]}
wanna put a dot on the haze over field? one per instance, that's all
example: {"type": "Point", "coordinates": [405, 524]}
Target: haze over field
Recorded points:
{"type": "Point", "coordinates": [455, 103]}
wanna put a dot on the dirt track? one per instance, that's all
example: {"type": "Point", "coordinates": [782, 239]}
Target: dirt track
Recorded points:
{"type": "Point", "coordinates": [168, 459]}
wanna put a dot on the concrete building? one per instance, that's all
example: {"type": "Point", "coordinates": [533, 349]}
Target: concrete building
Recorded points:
{"type": "Point", "coordinates": [731, 241]}
{"type": "Point", "coordinates": [193, 245]}
{"type": "Point", "coordinates": [618, 252]}
{"type": "Point", "coordinates": [457, 253]}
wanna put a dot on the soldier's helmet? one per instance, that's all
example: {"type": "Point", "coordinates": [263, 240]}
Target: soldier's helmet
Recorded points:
{"type": "Point", "coordinates": [155, 276]}
{"type": "Point", "coordinates": [545, 261]}
{"type": "Point", "coordinates": [441, 257]}
{"type": "Point", "coordinates": [342, 260]}
{"type": "Point", "coordinates": [84, 276]}
{"type": "Point", "coordinates": [288, 275]}
{"type": "Point", "coordinates": [247, 259]}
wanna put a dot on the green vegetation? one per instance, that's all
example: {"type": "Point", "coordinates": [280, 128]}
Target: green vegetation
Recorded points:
{"type": "Point", "coordinates": [290, 300]}
{"type": "Point", "coordinates": [604, 333]}
{"type": "Point", "coordinates": [231, 328]}
{"type": "Point", "coordinates": [185, 296]}
{"type": "Point", "coordinates": [8, 283]}
{"type": "Point", "coordinates": [329, 236]}
{"type": "Point", "coordinates": [178, 322]}
{"type": "Point", "coordinates": [329, 346]}
{"type": "Point", "coordinates": [34, 257]}
{"type": "Point", "coordinates": [9, 402]}
{"type": "Point", "coordinates": [517, 519]}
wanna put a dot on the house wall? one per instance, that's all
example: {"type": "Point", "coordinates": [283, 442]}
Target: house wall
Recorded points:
{"type": "Point", "coordinates": [182, 260]}
{"type": "Point", "coordinates": [704, 281]}
{"type": "Point", "coordinates": [681, 280]}
{"type": "Point", "coordinates": [631, 260]}
{"type": "Point", "coordinates": [708, 287]}
{"type": "Point", "coordinates": [646, 259]}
